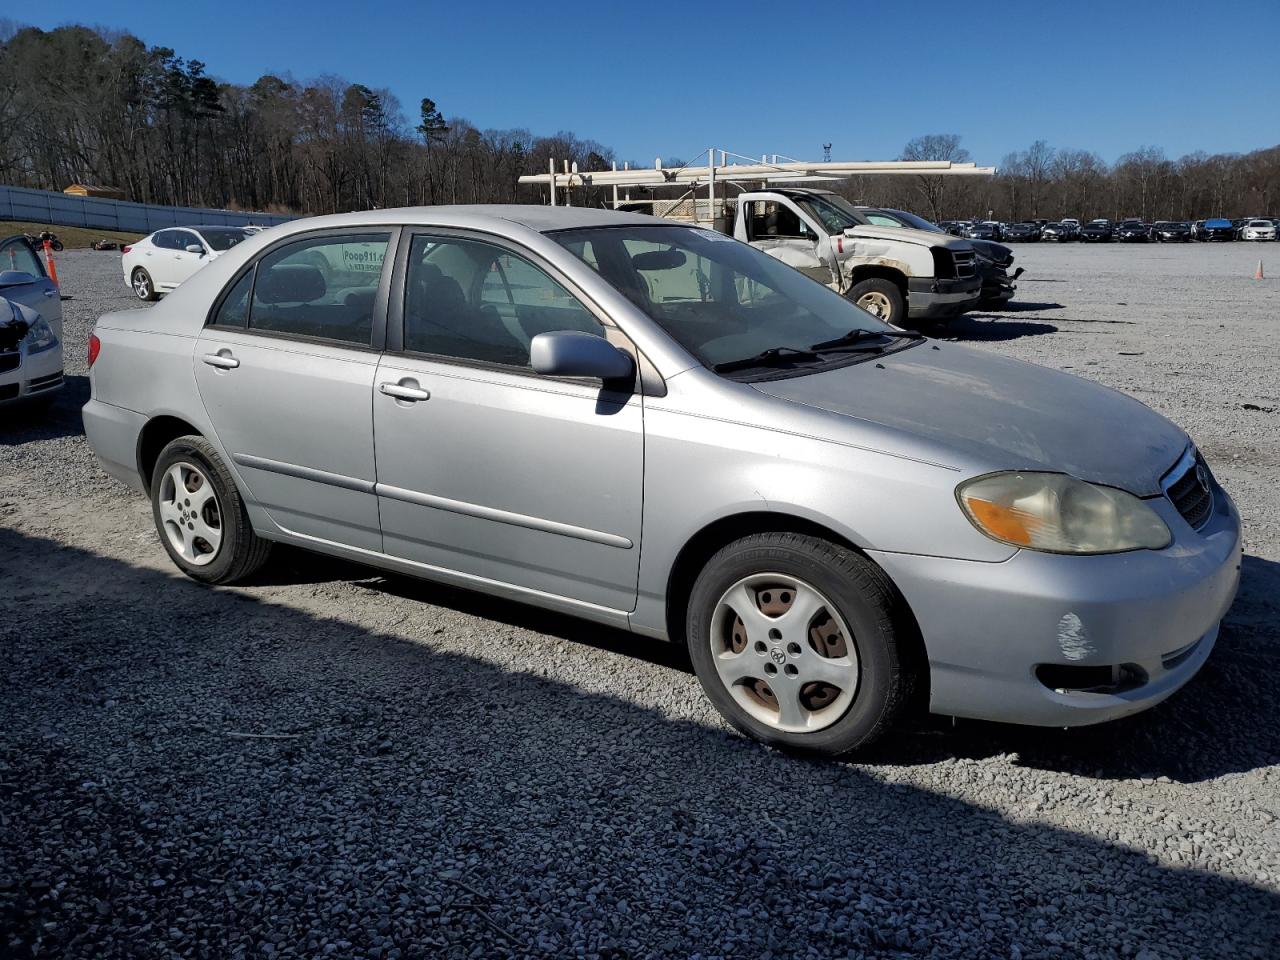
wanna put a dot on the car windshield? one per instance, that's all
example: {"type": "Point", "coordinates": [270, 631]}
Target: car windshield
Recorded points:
{"type": "Point", "coordinates": [721, 300]}
{"type": "Point", "coordinates": [911, 220]}
{"type": "Point", "coordinates": [834, 213]}
{"type": "Point", "coordinates": [221, 238]}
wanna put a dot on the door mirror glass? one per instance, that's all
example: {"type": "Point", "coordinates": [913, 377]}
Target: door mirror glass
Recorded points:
{"type": "Point", "coordinates": [570, 353]}
{"type": "Point", "coordinates": [195, 248]}
{"type": "Point", "coordinates": [14, 278]}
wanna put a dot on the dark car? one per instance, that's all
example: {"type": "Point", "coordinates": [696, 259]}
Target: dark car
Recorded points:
{"type": "Point", "coordinates": [994, 260]}
{"type": "Point", "coordinates": [1099, 231]}
{"type": "Point", "coordinates": [1166, 231]}
{"type": "Point", "coordinates": [1218, 230]}
{"type": "Point", "coordinates": [980, 231]}
{"type": "Point", "coordinates": [1133, 231]}
{"type": "Point", "coordinates": [1062, 232]}
{"type": "Point", "coordinates": [1027, 231]}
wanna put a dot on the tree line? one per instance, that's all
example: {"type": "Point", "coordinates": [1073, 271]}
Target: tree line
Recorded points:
{"type": "Point", "coordinates": [83, 105]}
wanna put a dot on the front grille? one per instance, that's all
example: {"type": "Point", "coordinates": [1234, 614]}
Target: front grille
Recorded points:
{"type": "Point", "coordinates": [10, 360]}
{"type": "Point", "coordinates": [1190, 489]}
{"type": "Point", "coordinates": [966, 264]}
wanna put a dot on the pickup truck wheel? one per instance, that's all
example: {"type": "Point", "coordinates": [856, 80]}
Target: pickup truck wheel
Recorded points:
{"type": "Point", "coordinates": [798, 643]}
{"type": "Point", "coordinates": [200, 516]}
{"type": "Point", "coordinates": [880, 298]}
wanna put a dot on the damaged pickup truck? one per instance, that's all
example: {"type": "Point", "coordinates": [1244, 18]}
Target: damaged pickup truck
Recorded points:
{"type": "Point", "coordinates": [896, 273]}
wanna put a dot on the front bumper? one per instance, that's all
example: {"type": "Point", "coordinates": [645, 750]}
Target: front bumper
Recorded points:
{"type": "Point", "coordinates": [1152, 616]}
{"type": "Point", "coordinates": [929, 299]}
{"type": "Point", "coordinates": [34, 376]}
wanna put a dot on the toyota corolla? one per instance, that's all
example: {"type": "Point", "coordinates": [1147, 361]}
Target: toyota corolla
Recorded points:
{"type": "Point", "coordinates": [657, 428]}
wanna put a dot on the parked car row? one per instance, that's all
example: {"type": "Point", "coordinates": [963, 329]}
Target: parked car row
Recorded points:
{"type": "Point", "coordinates": [1132, 230]}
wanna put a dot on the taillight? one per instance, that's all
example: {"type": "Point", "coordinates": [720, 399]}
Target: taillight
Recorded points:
{"type": "Point", "coordinates": [126, 249]}
{"type": "Point", "coordinates": [95, 347]}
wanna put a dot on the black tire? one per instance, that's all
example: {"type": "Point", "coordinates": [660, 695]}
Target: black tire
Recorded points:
{"type": "Point", "coordinates": [890, 669]}
{"type": "Point", "coordinates": [887, 293]}
{"type": "Point", "coordinates": [144, 287]}
{"type": "Point", "coordinates": [57, 245]}
{"type": "Point", "coordinates": [241, 551]}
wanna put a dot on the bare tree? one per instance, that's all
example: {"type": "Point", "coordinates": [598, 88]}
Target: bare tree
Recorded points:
{"type": "Point", "coordinates": [935, 146]}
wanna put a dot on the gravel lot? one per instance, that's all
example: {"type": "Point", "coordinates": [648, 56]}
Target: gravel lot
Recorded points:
{"type": "Point", "coordinates": [333, 761]}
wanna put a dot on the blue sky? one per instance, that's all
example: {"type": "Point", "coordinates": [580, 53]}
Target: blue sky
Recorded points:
{"type": "Point", "coordinates": [654, 79]}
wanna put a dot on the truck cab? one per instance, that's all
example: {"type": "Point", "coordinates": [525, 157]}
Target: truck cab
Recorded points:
{"type": "Point", "coordinates": [898, 274]}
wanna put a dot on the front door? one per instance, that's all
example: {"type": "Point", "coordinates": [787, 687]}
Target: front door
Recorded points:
{"type": "Point", "coordinates": [780, 230]}
{"type": "Point", "coordinates": [486, 468]}
{"type": "Point", "coordinates": [28, 282]}
{"type": "Point", "coordinates": [286, 374]}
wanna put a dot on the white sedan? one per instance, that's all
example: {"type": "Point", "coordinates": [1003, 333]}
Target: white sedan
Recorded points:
{"type": "Point", "coordinates": [158, 263]}
{"type": "Point", "coordinates": [1258, 230]}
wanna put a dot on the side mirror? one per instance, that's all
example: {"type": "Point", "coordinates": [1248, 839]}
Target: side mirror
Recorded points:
{"type": "Point", "coordinates": [15, 278]}
{"type": "Point", "coordinates": [569, 353]}
{"type": "Point", "coordinates": [195, 248]}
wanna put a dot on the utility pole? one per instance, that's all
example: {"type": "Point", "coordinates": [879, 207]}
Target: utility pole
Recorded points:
{"type": "Point", "coordinates": [826, 153]}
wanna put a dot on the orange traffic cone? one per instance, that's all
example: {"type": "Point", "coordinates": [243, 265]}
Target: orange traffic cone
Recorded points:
{"type": "Point", "coordinates": [1258, 275]}
{"type": "Point", "coordinates": [53, 269]}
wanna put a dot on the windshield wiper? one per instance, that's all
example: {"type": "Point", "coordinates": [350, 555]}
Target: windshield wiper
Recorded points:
{"type": "Point", "coordinates": [766, 358]}
{"type": "Point", "coordinates": [857, 336]}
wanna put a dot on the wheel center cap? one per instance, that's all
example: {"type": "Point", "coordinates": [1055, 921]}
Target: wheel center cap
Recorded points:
{"type": "Point", "coordinates": [777, 656]}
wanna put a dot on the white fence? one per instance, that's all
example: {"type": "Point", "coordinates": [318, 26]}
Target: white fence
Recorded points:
{"type": "Point", "coordinates": [43, 206]}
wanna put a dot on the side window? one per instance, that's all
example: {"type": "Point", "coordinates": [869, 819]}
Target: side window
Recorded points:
{"type": "Point", "coordinates": [185, 238]}
{"type": "Point", "coordinates": [477, 301]}
{"type": "Point", "coordinates": [773, 220]}
{"type": "Point", "coordinates": [322, 287]}
{"type": "Point", "coordinates": [234, 310]}
{"type": "Point", "coordinates": [166, 239]}
{"type": "Point", "coordinates": [16, 255]}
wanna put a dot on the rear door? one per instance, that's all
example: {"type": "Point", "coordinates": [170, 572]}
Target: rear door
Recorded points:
{"type": "Point", "coordinates": [285, 369]}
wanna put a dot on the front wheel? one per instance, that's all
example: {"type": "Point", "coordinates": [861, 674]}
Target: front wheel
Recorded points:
{"type": "Point", "coordinates": [801, 643]}
{"type": "Point", "coordinates": [200, 515]}
{"type": "Point", "coordinates": [880, 298]}
{"type": "Point", "coordinates": [144, 287]}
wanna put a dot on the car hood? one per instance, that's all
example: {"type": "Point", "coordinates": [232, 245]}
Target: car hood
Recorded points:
{"type": "Point", "coordinates": [1001, 412]}
{"type": "Point", "coordinates": [926, 238]}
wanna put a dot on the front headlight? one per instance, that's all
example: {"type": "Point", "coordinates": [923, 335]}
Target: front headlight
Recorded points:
{"type": "Point", "coordinates": [40, 337]}
{"type": "Point", "coordinates": [1054, 513]}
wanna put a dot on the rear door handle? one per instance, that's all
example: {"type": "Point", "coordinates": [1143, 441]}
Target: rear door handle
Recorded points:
{"type": "Point", "coordinates": [404, 390]}
{"type": "Point", "coordinates": [224, 361]}
{"type": "Point", "coordinates": [51, 292]}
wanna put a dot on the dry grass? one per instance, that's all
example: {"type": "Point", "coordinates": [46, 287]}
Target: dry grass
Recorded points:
{"type": "Point", "coordinates": [75, 238]}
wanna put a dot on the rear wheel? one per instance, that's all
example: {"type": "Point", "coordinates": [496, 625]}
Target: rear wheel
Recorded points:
{"type": "Point", "coordinates": [880, 298]}
{"type": "Point", "coordinates": [143, 286]}
{"type": "Point", "coordinates": [200, 516]}
{"type": "Point", "coordinates": [800, 643]}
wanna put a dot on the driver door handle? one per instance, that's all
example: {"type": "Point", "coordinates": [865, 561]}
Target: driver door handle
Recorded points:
{"type": "Point", "coordinates": [403, 392]}
{"type": "Point", "coordinates": [220, 360]}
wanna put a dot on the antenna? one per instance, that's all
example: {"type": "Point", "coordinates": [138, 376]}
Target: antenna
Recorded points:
{"type": "Point", "coordinates": [826, 153]}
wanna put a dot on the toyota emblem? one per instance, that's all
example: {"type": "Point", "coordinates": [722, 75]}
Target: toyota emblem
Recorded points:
{"type": "Point", "coordinates": [777, 656]}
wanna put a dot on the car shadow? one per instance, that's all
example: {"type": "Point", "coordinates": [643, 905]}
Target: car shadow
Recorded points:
{"type": "Point", "coordinates": [1022, 306]}
{"type": "Point", "coordinates": [24, 423]}
{"type": "Point", "coordinates": [184, 765]}
{"type": "Point", "coordinates": [991, 328]}
{"type": "Point", "coordinates": [1224, 721]}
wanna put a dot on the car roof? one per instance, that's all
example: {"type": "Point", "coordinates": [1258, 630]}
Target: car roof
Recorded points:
{"type": "Point", "coordinates": [478, 216]}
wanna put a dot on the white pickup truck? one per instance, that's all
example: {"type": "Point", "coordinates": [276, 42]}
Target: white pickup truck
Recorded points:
{"type": "Point", "coordinates": [896, 273]}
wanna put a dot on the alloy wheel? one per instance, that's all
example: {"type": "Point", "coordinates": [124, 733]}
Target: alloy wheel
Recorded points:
{"type": "Point", "coordinates": [190, 513]}
{"type": "Point", "coordinates": [784, 653]}
{"type": "Point", "coordinates": [141, 285]}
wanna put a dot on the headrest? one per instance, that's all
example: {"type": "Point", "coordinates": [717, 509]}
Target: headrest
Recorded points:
{"type": "Point", "coordinates": [290, 283]}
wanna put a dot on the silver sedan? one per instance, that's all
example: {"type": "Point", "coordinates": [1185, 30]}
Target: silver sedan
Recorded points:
{"type": "Point", "coordinates": [655, 427]}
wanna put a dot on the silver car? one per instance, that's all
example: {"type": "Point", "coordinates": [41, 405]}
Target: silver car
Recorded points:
{"type": "Point", "coordinates": [655, 427]}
